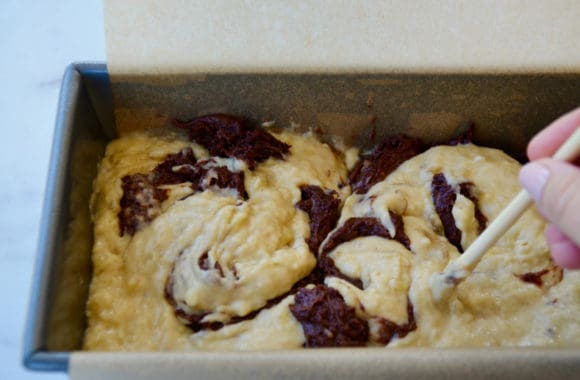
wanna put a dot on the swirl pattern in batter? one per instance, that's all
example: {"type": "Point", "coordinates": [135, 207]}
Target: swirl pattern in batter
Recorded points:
{"type": "Point", "coordinates": [224, 236]}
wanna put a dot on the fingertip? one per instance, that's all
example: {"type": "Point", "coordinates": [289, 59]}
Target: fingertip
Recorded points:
{"type": "Point", "coordinates": [533, 177]}
{"type": "Point", "coordinates": [564, 251]}
{"type": "Point", "coordinates": [547, 141]}
{"type": "Point", "coordinates": [535, 149]}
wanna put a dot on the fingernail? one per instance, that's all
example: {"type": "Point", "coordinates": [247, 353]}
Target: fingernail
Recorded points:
{"type": "Point", "coordinates": [533, 178]}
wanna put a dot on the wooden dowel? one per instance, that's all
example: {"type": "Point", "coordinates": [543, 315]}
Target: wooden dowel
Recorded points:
{"type": "Point", "coordinates": [458, 269]}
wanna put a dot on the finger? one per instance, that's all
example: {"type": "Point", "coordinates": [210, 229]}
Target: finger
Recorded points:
{"type": "Point", "coordinates": [545, 143]}
{"type": "Point", "coordinates": [564, 251]}
{"type": "Point", "coordinates": [555, 186]}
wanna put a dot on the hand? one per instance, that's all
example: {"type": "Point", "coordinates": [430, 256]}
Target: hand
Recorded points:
{"type": "Point", "coordinates": [555, 186]}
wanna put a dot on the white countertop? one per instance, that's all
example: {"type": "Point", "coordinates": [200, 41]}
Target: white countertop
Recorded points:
{"type": "Point", "coordinates": [38, 40]}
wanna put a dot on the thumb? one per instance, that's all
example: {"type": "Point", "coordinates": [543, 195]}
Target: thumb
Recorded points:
{"type": "Point", "coordinates": [555, 186]}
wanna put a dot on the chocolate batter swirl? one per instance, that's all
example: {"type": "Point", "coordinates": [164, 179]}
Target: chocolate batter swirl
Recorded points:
{"type": "Point", "coordinates": [466, 137]}
{"type": "Point", "coordinates": [359, 227]}
{"type": "Point", "coordinates": [544, 278]}
{"type": "Point", "coordinates": [388, 329]}
{"type": "Point", "coordinates": [352, 229]}
{"type": "Point", "coordinates": [143, 193]}
{"type": "Point", "coordinates": [444, 196]}
{"type": "Point", "coordinates": [467, 189]}
{"type": "Point", "coordinates": [322, 206]}
{"type": "Point", "coordinates": [374, 167]}
{"type": "Point", "coordinates": [140, 204]}
{"type": "Point", "coordinates": [174, 168]}
{"type": "Point", "coordinates": [327, 321]}
{"type": "Point", "coordinates": [232, 136]}
{"type": "Point", "coordinates": [142, 197]}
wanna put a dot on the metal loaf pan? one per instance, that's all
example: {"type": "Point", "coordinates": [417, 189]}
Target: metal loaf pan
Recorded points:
{"type": "Point", "coordinates": [507, 109]}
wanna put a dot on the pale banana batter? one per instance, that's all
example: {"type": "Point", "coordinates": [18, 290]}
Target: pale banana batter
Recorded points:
{"type": "Point", "coordinates": [259, 244]}
{"type": "Point", "coordinates": [212, 268]}
{"type": "Point", "coordinates": [493, 307]}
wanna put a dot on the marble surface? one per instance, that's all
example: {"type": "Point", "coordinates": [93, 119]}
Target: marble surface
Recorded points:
{"type": "Point", "coordinates": [38, 40]}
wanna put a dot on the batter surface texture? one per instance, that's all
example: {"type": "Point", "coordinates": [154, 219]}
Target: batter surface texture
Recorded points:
{"type": "Point", "coordinates": [223, 236]}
